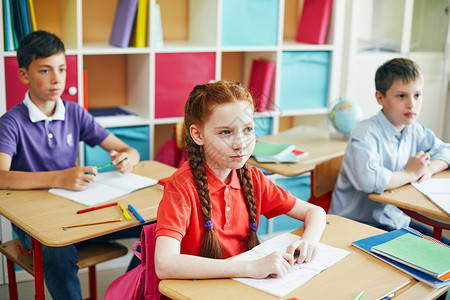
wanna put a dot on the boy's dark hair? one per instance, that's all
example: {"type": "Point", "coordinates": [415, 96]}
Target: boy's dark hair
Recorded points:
{"type": "Point", "coordinates": [397, 68]}
{"type": "Point", "coordinates": [38, 44]}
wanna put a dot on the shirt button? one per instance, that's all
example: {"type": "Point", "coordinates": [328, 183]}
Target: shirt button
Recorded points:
{"type": "Point", "coordinates": [50, 135]}
{"type": "Point", "coordinates": [226, 190]}
{"type": "Point", "coordinates": [228, 208]}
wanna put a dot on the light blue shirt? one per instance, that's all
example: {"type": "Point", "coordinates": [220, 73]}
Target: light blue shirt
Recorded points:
{"type": "Point", "coordinates": [375, 150]}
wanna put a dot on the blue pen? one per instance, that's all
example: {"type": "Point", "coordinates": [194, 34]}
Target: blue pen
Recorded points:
{"type": "Point", "coordinates": [136, 214]}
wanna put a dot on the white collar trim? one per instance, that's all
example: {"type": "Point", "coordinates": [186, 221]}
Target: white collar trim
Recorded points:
{"type": "Point", "coordinates": [37, 115]}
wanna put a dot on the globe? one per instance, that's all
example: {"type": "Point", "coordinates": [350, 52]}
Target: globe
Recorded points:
{"type": "Point", "coordinates": [345, 115]}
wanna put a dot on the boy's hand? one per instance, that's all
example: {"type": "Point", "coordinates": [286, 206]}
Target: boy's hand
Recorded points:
{"type": "Point", "coordinates": [275, 265]}
{"type": "Point", "coordinates": [121, 161]}
{"type": "Point", "coordinates": [302, 250]}
{"type": "Point", "coordinates": [417, 165]}
{"type": "Point", "coordinates": [77, 178]}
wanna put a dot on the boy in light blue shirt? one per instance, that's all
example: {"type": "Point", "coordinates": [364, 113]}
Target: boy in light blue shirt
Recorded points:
{"type": "Point", "coordinates": [389, 150]}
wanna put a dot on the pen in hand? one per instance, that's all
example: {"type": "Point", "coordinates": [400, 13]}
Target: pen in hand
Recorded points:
{"type": "Point", "coordinates": [110, 164]}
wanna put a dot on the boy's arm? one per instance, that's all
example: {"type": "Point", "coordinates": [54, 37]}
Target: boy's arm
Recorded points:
{"type": "Point", "coordinates": [74, 178]}
{"type": "Point", "coordinates": [118, 151]}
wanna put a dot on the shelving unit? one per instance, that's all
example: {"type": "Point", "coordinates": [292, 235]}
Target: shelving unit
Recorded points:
{"type": "Point", "coordinates": [379, 30]}
{"type": "Point", "coordinates": [203, 40]}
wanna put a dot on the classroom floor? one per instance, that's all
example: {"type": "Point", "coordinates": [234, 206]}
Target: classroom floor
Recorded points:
{"type": "Point", "coordinates": [104, 278]}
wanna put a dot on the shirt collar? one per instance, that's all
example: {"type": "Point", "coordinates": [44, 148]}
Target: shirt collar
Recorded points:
{"type": "Point", "coordinates": [216, 184]}
{"type": "Point", "coordinates": [36, 115]}
{"type": "Point", "coordinates": [388, 127]}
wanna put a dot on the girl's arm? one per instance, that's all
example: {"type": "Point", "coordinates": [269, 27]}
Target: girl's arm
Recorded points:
{"type": "Point", "coordinates": [118, 150]}
{"type": "Point", "coordinates": [170, 264]}
{"type": "Point", "coordinates": [314, 218]}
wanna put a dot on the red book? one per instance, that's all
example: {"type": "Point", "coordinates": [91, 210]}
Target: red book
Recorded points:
{"type": "Point", "coordinates": [314, 20]}
{"type": "Point", "coordinates": [260, 83]}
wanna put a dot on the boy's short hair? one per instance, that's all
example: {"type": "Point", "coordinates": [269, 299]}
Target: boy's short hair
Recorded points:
{"type": "Point", "coordinates": [38, 44]}
{"type": "Point", "coordinates": [397, 68]}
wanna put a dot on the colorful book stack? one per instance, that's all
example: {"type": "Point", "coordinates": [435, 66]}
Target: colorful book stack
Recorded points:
{"type": "Point", "coordinates": [267, 152]}
{"type": "Point", "coordinates": [18, 20]}
{"type": "Point", "coordinates": [408, 250]}
{"type": "Point", "coordinates": [130, 25]}
{"type": "Point", "coordinates": [262, 75]}
{"type": "Point", "coordinates": [313, 22]}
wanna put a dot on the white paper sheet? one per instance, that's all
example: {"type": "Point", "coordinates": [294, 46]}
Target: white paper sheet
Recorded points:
{"type": "Point", "coordinates": [107, 186]}
{"type": "Point", "coordinates": [437, 190]}
{"type": "Point", "coordinates": [298, 274]}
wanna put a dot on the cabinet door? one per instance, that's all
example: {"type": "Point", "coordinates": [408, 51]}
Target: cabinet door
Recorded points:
{"type": "Point", "coordinates": [176, 76]}
{"type": "Point", "coordinates": [15, 89]}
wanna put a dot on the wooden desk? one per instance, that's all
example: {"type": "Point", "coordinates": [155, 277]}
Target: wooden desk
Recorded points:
{"type": "Point", "coordinates": [344, 280]}
{"type": "Point", "coordinates": [316, 141]}
{"type": "Point", "coordinates": [42, 215]}
{"type": "Point", "coordinates": [417, 205]}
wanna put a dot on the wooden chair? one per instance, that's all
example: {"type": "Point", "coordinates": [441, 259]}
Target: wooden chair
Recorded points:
{"type": "Point", "coordinates": [323, 179]}
{"type": "Point", "coordinates": [179, 135]}
{"type": "Point", "coordinates": [89, 255]}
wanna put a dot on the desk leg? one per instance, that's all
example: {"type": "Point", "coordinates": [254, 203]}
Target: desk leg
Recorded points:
{"type": "Point", "coordinates": [38, 270]}
{"type": "Point", "coordinates": [437, 226]}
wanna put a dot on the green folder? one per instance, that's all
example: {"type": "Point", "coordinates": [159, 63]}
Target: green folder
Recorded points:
{"type": "Point", "coordinates": [273, 150]}
{"type": "Point", "coordinates": [416, 252]}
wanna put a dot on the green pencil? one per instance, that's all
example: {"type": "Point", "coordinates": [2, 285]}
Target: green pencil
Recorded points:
{"type": "Point", "coordinates": [110, 164]}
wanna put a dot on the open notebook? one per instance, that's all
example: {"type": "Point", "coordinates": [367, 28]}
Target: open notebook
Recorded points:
{"type": "Point", "coordinates": [300, 273]}
{"type": "Point", "coordinates": [107, 186]}
{"type": "Point", "coordinates": [437, 190]}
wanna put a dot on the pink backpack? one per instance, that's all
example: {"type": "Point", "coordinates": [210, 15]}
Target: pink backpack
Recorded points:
{"type": "Point", "coordinates": [141, 283]}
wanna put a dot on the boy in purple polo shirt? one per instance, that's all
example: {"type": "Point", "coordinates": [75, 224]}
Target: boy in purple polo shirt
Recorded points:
{"type": "Point", "coordinates": [39, 147]}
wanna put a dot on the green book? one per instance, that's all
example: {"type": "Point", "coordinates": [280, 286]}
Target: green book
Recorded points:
{"type": "Point", "coordinates": [416, 252]}
{"type": "Point", "coordinates": [272, 150]}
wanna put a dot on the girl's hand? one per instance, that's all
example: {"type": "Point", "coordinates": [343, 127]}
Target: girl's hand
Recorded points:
{"type": "Point", "coordinates": [275, 264]}
{"type": "Point", "coordinates": [77, 178]}
{"type": "Point", "coordinates": [121, 161]}
{"type": "Point", "coordinates": [306, 250]}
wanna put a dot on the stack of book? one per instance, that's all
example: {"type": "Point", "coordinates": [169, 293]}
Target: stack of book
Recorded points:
{"type": "Point", "coordinates": [130, 24]}
{"type": "Point", "coordinates": [267, 152]}
{"type": "Point", "coordinates": [18, 20]}
{"type": "Point", "coordinates": [420, 256]}
{"type": "Point", "coordinates": [113, 113]}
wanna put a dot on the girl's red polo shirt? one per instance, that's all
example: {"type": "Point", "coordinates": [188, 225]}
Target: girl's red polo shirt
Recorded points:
{"type": "Point", "coordinates": [180, 217]}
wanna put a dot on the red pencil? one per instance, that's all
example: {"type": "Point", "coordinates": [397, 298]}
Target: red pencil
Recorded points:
{"type": "Point", "coordinates": [96, 207]}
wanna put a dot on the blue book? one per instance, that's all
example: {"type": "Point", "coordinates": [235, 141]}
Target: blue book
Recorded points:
{"type": "Point", "coordinates": [113, 111]}
{"type": "Point", "coordinates": [367, 244]}
{"type": "Point", "coordinates": [17, 20]}
{"type": "Point", "coordinates": [24, 16]}
{"type": "Point", "coordinates": [9, 41]}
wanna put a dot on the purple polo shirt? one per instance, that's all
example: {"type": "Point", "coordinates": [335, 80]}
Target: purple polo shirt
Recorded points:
{"type": "Point", "coordinates": [47, 145]}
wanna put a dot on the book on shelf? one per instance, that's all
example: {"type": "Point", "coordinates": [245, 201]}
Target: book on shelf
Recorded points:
{"type": "Point", "coordinates": [298, 274]}
{"type": "Point", "coordinates": [260, 84]}
{"type": "Point", "coordinates": [112, 112]}
{"type": "Point", "coordinates": [314, 20]}
{"type": "Point", "coordinates": [139, 33]}
{"type": "Point", "coordinates": [18, 27]}
{"type": "Point", "coordinates": [7, 29]}
{"type": "Point", "coordinates": [32, 15]}
{"type": "Point", "coordinates": [437, 190]}
{"type": "Point", "coordinates": [107, 186]}
{"type": "Point", "coordinates": [367, 244]}
{"type": "Point", "coordinates": [417, 252]}
{"type": "Point", "coordinates": [123, 23]}
{"type": "Point", "coordinates": [24, 16]}
{"type": "Point", "coordinates": [158, 33]}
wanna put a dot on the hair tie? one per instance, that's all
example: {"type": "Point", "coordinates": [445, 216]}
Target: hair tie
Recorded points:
{"type": "Point", "coordinates": [253, 226]}
{"type": "Point", "coordinates": [208, 224]}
